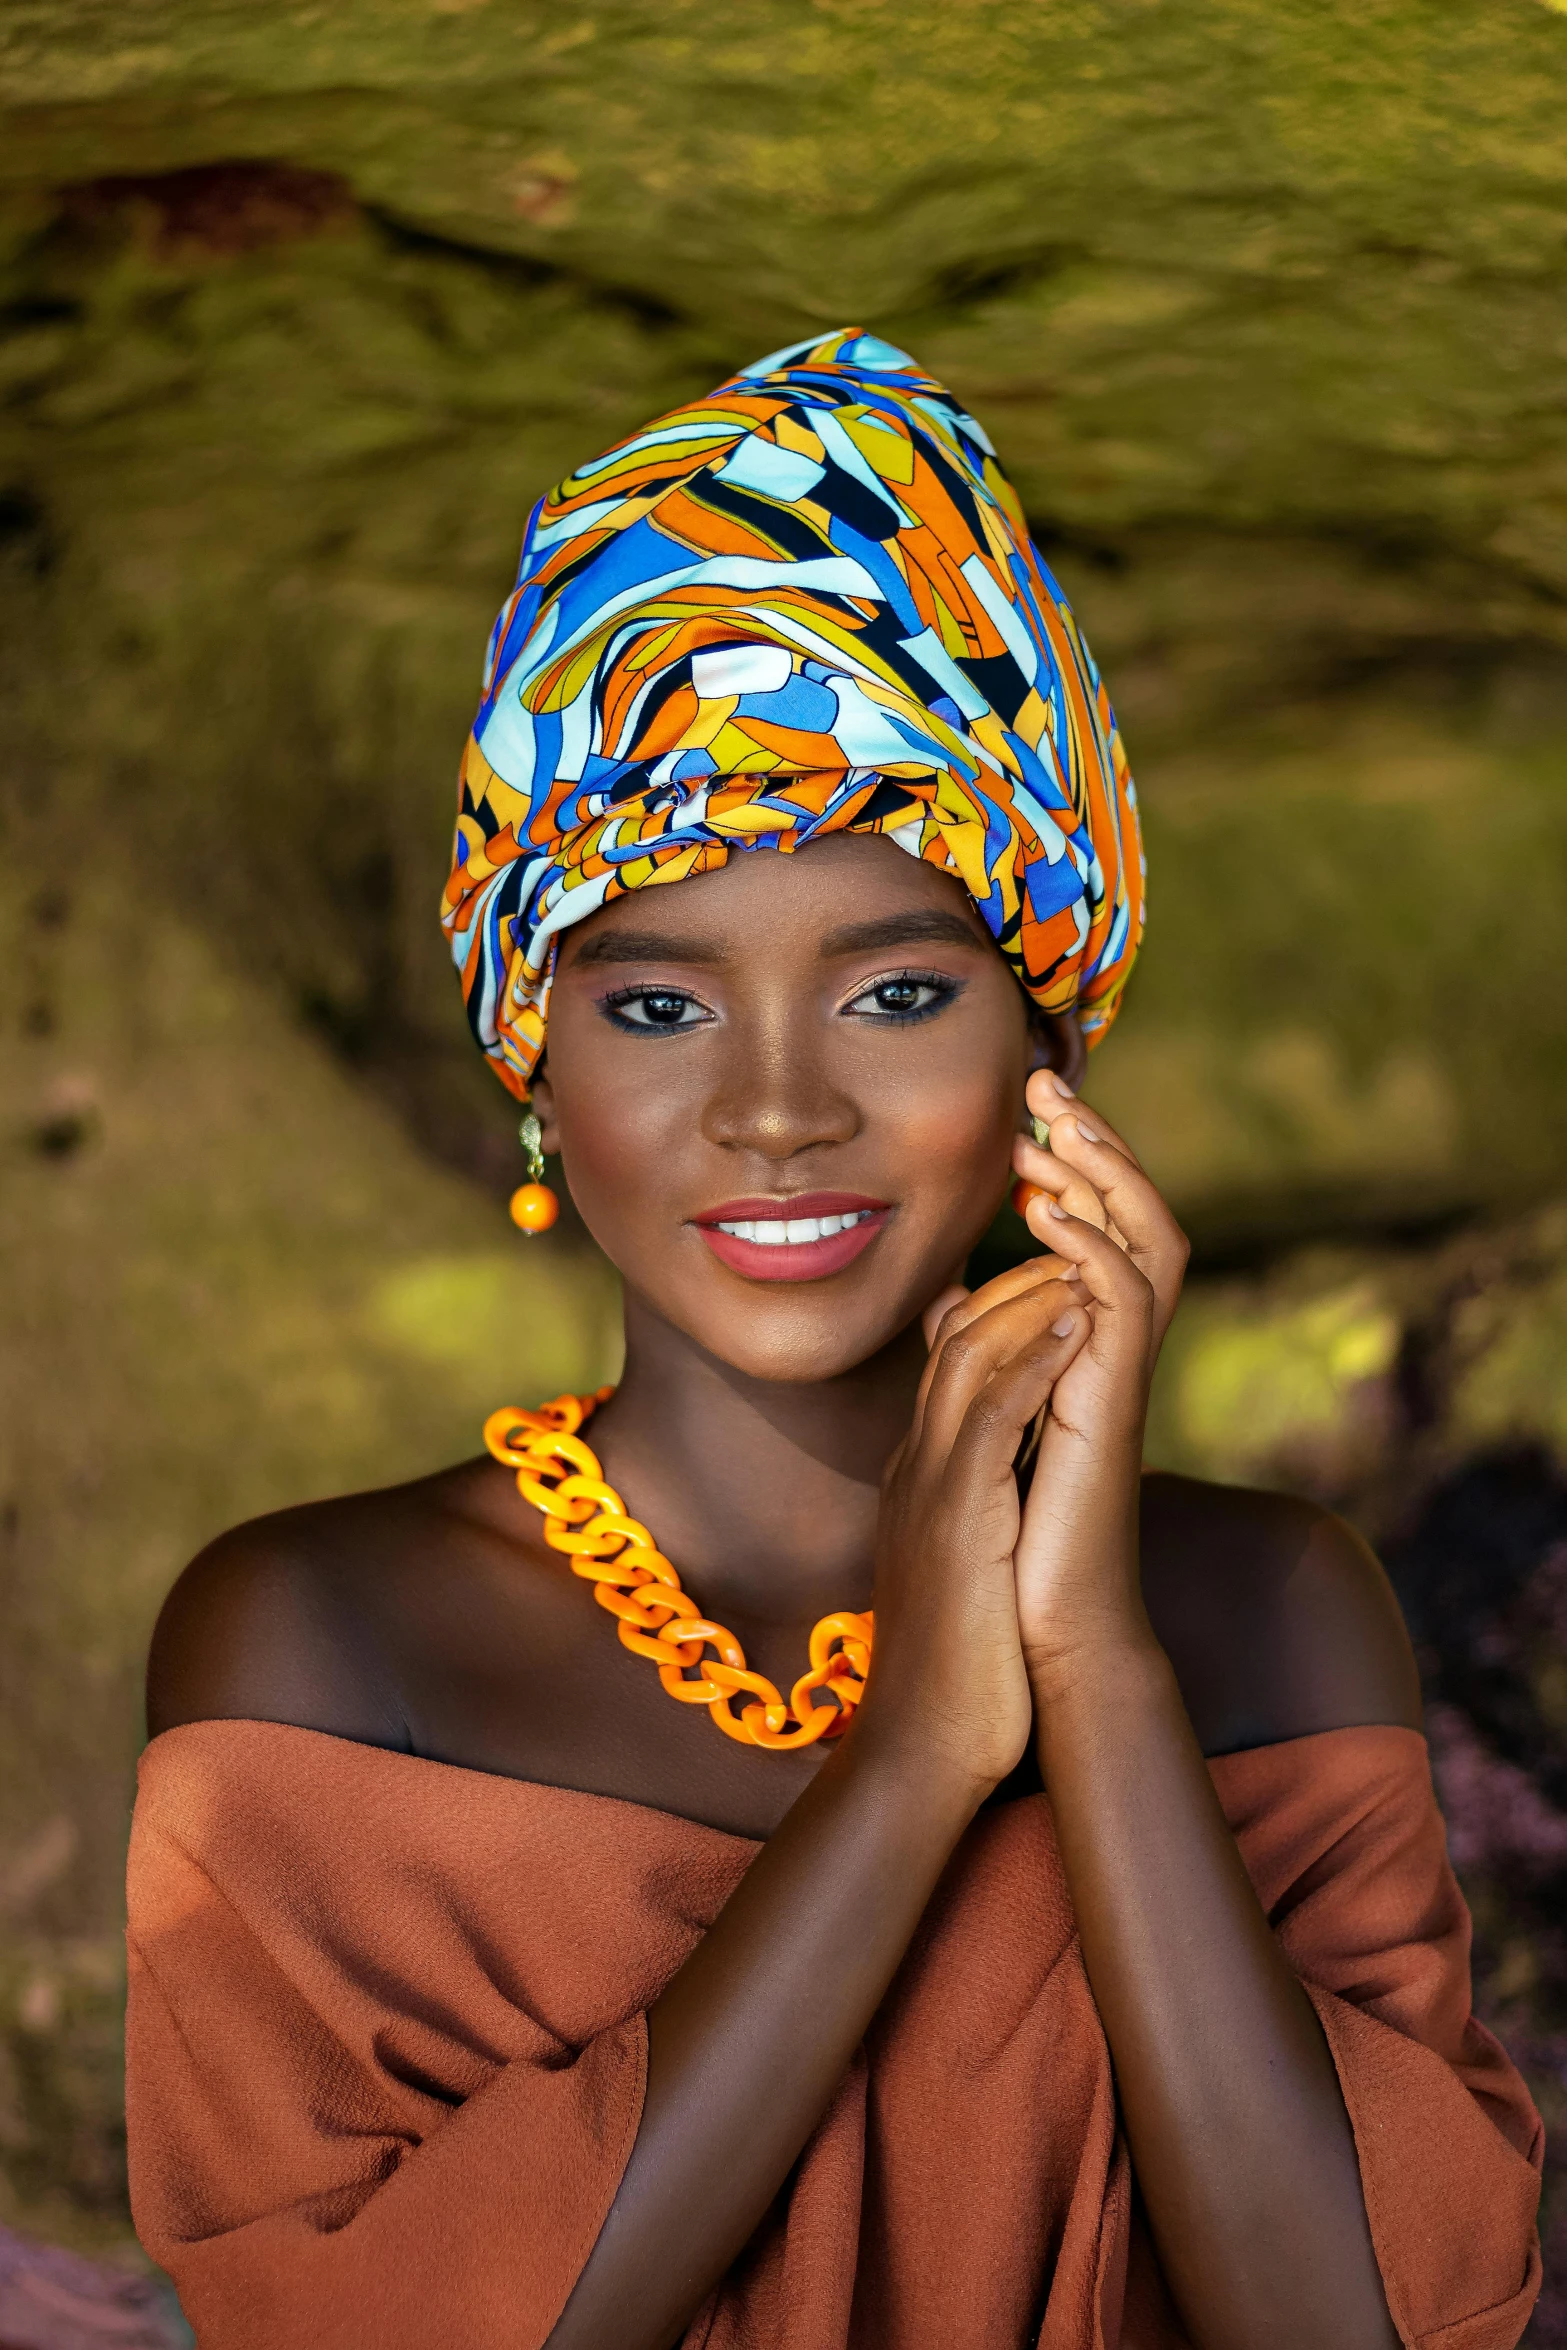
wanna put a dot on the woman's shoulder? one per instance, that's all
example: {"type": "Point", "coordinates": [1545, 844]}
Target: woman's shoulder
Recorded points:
{"type": "Point", "coordinates": [1275, 1613]}
{"type": "Point", "coordinates": [293, 1617]}
{"type": "Point", "coordinates": [339, 1615]}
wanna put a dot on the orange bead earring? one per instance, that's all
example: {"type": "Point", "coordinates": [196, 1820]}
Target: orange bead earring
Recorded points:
{"type": "Point", "coordinates": [534, 1206]}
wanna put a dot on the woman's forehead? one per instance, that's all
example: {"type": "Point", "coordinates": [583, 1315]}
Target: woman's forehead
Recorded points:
{"type": "Point", "coordinates": [832, 892]}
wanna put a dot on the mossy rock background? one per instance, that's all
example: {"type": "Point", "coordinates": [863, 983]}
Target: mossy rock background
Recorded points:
{"type": "Point", "coordinates": [300, 309]}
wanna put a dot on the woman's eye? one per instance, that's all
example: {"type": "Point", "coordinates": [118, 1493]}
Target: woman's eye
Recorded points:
{"type": "Point", "coordinates": [655, 1007]}
{"type": "Point", "coordinates": [907, 995]}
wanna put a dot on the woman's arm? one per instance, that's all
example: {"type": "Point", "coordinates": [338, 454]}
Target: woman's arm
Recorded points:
{"type": "Point", "coordinates": [749, 2041]}
{"type": "Point", "coordinates": [1240, 2142]}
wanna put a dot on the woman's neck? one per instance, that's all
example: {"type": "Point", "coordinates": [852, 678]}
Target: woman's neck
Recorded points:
{"type": "Point", "coordinates": [763, 1494]}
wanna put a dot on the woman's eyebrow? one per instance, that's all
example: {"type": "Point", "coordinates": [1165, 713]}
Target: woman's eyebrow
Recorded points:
{"type": "Point", "coordinates": [919, 926]}
{"type": "Point", "coordinates": [649, 946]}
{"type": "Point", "coordinates": [928, 926]}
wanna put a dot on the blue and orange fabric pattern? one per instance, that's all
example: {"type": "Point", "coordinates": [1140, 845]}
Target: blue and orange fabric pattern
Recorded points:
{"type": "Point", "coordinates": [807, 603]}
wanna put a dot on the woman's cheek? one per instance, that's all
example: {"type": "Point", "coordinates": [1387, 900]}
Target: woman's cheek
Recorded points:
{"type": "Point", "coordinates": [618, 1149]}
{"type": "Point", "coordinates": [956, 1136]}
{"type": "Point", "coordinates": [615, 1143]}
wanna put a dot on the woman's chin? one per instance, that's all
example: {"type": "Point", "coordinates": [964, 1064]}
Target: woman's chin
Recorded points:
{"type": "Point", "coordinates": [796, 1335]}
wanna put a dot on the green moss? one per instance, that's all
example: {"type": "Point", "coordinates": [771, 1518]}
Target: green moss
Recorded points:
{"type": "Point", "coordinates": [463, 1314]}
{"type": "Point", "coordinates": [1363, 1374]}
{"type": "Point", "coordinates": [1512, 1348]}
{"type": "Point", "coordinates": [282, 489]}
{"type": "Point", "coordinates": [1253, 1386]}
{"type": "Point", "coordinates": [61, 2127]}
{"type": "Point", "coordinates": [232, 1283]}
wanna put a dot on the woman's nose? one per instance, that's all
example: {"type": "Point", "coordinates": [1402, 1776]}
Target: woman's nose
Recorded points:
{"type": "Point", "coordinates": [776, 1102]}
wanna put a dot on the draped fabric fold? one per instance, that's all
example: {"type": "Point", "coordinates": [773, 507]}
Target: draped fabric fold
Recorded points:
{"type": "Point", "coordinates": [387, 2042]}
{"type": "Point", "coordinates": [806, 603]}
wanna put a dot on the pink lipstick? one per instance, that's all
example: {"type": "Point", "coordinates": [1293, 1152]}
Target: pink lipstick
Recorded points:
{"type": "Point", "coordinates": [803, 1238]}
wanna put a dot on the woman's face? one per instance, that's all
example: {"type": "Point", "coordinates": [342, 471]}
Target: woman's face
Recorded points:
{"type": "Point", "coordinates": [824, 1049]}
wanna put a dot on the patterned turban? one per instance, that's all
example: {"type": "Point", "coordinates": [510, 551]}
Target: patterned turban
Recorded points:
{"type": "Point", "coordinates": [805, 604]}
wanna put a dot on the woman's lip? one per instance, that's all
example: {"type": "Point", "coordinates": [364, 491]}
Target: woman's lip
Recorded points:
{"type": "Point", "coordinates": [804, 1260]}
{"type": "Point", "coordinates": [779, 1211]}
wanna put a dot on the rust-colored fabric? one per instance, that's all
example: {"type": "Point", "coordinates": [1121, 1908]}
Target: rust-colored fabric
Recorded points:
{"type": "Point", "coordinates": [387, 2044]}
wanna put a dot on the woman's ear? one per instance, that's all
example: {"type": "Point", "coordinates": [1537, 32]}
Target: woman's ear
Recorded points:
{"type": "Point", "coordinates": [1058, 1044]}
{"type": "Point", "coordinates": [542, 1095]}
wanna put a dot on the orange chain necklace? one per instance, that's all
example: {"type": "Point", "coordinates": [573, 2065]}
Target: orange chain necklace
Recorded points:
{"type": "Point", "coordinates": [631, 1577]}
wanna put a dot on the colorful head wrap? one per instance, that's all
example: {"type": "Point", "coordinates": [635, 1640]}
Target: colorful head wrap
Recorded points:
{"type": "Point", "coordinates": [805, 604]}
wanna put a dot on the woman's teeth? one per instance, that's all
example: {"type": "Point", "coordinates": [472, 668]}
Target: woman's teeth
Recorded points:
{"type": "Point", "coordinates": [799, 1231]}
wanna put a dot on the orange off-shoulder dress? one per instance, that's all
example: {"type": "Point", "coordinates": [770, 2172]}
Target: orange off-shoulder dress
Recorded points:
{"type": "Point", "coordinates": [387, 2046]}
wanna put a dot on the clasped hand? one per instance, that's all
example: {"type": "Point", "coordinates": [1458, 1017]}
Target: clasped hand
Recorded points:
{"type": "Point", "coordinates": [984, 1600]}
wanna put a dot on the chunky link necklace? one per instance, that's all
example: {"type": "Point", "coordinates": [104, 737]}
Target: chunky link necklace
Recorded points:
{"type": "Point", "coordinates": [631, 1577]}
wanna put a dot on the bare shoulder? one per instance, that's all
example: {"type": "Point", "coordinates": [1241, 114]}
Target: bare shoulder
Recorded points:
{"type": "Point", "coordinates": [1276, 1615]}
{"type": "Point", "coordinates": [277, 1620]}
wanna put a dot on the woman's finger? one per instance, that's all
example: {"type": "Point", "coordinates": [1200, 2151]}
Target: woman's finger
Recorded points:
{"type": "Point", "coordinates": [1047, 1172]}
{"type": "Point", "coordinates": [1049, 1097]}
{"type": "Point", "coordinates": [955, 1306]}
{"type": "Point", "coordinates": [1011, 1402]}
{"type": "Point", "coordinates": [1124, 1306]}
{"type": "Point", "coordinates": [940, 1306]}
{"type": "Point", "coordinates": [964, 1306]}
{"type": "Point", "coordinates": [971, 1351]}
{"type": "Point", "coordinates": [1154, 1241]}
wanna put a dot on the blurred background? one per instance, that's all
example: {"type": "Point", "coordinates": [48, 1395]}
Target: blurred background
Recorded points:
{"type": "Point", "coordinates": [300, 308]}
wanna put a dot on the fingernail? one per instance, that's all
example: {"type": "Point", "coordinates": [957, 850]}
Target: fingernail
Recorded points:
{"type": "Point", "coordinates": [1062, 1087]}
{"type": "Point", "coordinates": [1063, 1328]}
{"type": "Point", "coordinates": [1086, 1132]}
{"type": "Point", "coordinates": [1059, 1212]}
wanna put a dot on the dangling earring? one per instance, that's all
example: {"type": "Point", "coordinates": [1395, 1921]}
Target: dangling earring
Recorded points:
{"type": "Point", "coordinates": [534, 1206]}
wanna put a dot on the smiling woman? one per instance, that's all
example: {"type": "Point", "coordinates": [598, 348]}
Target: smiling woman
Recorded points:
{"type": "Point", "coordinates": [1071, 1957]}
{"type": "Point", "coordinates": [755, 1028]}
{"type": "Point", "coordinates": [800, 1224]}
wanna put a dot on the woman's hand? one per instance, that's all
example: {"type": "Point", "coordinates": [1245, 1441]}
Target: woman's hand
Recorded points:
{"type": "Point", "coordinates": [1079, 1171]}
{"type": "Point", "coordinates": [949, 1669]}
{"type": "Point", "coordinates": [978, 1596]}
{"type": "Point", "coordinates": [1112, 1235]}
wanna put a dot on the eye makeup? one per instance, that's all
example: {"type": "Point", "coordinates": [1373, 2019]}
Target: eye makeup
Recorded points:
{"type": "Point", "coordinates": [938, 989]}
{"type": "Point", "coordinates": [663, 1010]}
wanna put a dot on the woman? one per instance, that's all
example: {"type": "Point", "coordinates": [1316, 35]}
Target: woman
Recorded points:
{"type": "Point", "coordinates": [481, 1995]}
